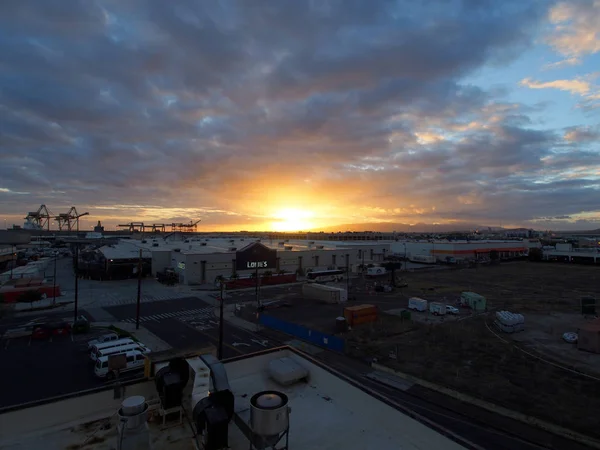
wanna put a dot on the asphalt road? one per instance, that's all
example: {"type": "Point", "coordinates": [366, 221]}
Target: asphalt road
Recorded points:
{"type": "Point", "coordinates": [15, 322]}
{"type": "Point", "coordinates": [187, 322]}
{"type": "Point", "coordinates": [35, 370]}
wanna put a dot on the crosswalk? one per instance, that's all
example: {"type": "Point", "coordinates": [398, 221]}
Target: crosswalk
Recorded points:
{"type": "Point", "coordinates": [116, 301]}
{"type": "Point", "coordinates": [198, 314]}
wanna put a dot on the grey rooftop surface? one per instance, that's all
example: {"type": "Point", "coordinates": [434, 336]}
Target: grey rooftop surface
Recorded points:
{"type": "Point", "coordinates": [327, 413]}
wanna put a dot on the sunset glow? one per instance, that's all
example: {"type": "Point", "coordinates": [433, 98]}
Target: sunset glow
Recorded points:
{"type": "Point", "coordinates": [292, 219]}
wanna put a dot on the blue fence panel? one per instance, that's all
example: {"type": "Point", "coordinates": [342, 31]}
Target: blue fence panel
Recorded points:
{"type": "Point", "coordinates": [314, 337]}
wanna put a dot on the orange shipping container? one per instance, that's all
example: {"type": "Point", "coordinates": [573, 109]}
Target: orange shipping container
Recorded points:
{"type": "Point", "coordinates": [359, 310]}
{"type": "Point", "coordinates": [363, 319]}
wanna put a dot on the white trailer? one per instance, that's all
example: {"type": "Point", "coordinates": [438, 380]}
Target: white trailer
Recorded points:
{"type": "Point", "coordinates": [324, 293]}
{"type": "Point", "coordinates": [376, 271]}
{"type": "Point", "coordinates": [417, 304]}
{"type": "Point", "coordinates": [437, 309]}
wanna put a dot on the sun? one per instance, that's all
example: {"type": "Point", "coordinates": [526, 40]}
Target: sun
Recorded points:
{"type": "Point", "coordinates": [292, 219]}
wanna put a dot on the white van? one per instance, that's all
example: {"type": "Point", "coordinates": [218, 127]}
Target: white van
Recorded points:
{"type": "Point", "coordinates": [417, 304]}
{"type": "Point", "coordinates": [110, 337]}
{"type": "Point", "coordinates": [122, 349]}
{"type": "Point", "coordinates": [99, 347]}
{"type": "Point", "coordinates": [135, 361]}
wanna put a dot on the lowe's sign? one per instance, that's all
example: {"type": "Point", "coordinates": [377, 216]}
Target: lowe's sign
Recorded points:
{"type": "Point", "coordinates": [255, 256]}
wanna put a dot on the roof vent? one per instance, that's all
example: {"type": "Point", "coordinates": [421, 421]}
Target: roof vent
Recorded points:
{"type": "Point", "coordinates": [232, 249]}
{"type": "Point", "coordinates": [203, 244]}
{"type": "Point", "coordinates": [320, 247]}
{"type": "Point", "coordinates": [269, 416]}
{"type": "Point", "coordinates": [177, 250]}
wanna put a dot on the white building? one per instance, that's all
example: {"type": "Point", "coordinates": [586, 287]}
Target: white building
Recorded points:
{"type": "Point", "coordinates": [202, 260]}
{"type": "Point", "coordinates": [460, 249]}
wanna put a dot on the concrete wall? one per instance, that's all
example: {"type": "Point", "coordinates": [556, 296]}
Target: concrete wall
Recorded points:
{"type": "Point", "coordinates": [12, 237]}
{"type": "Point", "coordinates": [96, 405]}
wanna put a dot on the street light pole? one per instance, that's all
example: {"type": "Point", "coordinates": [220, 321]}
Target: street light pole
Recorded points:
{"type": "Point", "coordinates": [257, 292]}
{"type": "Point", "coordinates": [348, 276]}
{"type": "Point", "coordinates": [139, 292]}
{"type": "Point", "coordinates": [12, 260]}
{"type": "Point", "coordinates": [222, 299]}
{"type": "Point", "coordinates": [76, 279]}
{"type": "Point", "coordinates": [54, 287]}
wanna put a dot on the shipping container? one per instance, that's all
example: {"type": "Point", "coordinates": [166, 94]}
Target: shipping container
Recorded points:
{"type": "Point", "coordinates": [324, 293]}
{"type": "Point", "coordinates": [360, 314]}
{"type": "Point", "coordinates": [362, 319]}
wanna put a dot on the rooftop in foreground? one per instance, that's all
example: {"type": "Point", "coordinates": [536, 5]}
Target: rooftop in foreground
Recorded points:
{"type": "Point", "coordinates": [328, 411]}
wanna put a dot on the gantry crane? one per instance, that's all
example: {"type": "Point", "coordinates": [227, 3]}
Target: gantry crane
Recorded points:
{"type": "Point", "coordinates": [70, 219]}
{"type": "Point", "coordinates": [39, 219]}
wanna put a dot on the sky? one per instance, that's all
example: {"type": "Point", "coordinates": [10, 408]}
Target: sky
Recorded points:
{"type": "Point", "coordinates": [291, 114]}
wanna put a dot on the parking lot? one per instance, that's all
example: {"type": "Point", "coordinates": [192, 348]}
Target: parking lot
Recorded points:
{"type": "Point", "coordinates": [37, 369]}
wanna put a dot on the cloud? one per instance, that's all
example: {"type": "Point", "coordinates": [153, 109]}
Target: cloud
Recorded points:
{"type": "Point", "coordinates": [582, 86]}
{"type": "Point", "coordinates": [573, 61]}
{"type": "Point", "coordinates": [232, 112]}
{"type": "Point", "coordinates": [575, 28]}
{"type": "Point", "coordinates": [579, 87]}
{"type": "Point", "coordinates": [582, 134]}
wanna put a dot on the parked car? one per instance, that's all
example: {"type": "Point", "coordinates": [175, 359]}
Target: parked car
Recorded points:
{"type": "Point", "coordinates": [41, 332]}
{"type": "Point", "coordinates": [60, 328]}
{"type": "Point", "coordinates": [452, 310]}
{"type": "Point", "coordinates": [109, 337]}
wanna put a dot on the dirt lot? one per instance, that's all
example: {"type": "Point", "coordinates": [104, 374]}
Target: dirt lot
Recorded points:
{"type": "Point", "coordinates": [522, 286]}
{"type": "Point", "coordinates": [462, 353]}
{"type": "Point", "coordinates": [465, 355]}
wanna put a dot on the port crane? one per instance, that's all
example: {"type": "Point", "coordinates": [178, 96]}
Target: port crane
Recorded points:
{"type": "Point", "coordinates": [160, 227]}
{"type": "Point", "coordinates": [39, 219]}
{"type": "Point", "coordinates": [70, 219]}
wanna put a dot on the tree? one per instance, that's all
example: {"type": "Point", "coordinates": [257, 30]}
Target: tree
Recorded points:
{"type": "Point", "coordinates": [392, 266]}
{"type": "Point", "coordinates": [535, 254]}
{"type": "Point", "coordinates": [267, 274]}
{"type": "Point", "coordinates": [234, 276]}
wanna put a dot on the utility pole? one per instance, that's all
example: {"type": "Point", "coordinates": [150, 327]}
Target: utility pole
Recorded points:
{"type": "Point", "coordinates": [257, 292]}
{"type": "Point", "coordinates": [12, 259]}
{"type": "Point", "coordinates": [348, 276]}
{"type": "Point", "coordinates": [139, 292]}
{"type": "Point", "coordinates": [222, 299]}
{"type": "Point", "coordinates": [76, 279]}
{"type": "Point", "coordinates": [54, 288]}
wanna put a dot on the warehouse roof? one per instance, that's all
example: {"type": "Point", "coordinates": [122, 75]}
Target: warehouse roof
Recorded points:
{"type": "Point", "coordinates": [328, 412]}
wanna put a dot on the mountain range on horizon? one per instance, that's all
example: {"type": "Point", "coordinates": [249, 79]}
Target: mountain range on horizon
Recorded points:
{"type": "Point", "coordinates": [388, 227]}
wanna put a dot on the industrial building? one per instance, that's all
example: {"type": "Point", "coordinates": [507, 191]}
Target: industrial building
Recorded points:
{"type": "Point", "coordinates": [462, 250]}
{"type": "Point", "coordinates": [566, 253]}
{"type": "Point", "coordinates": [202, 260]}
